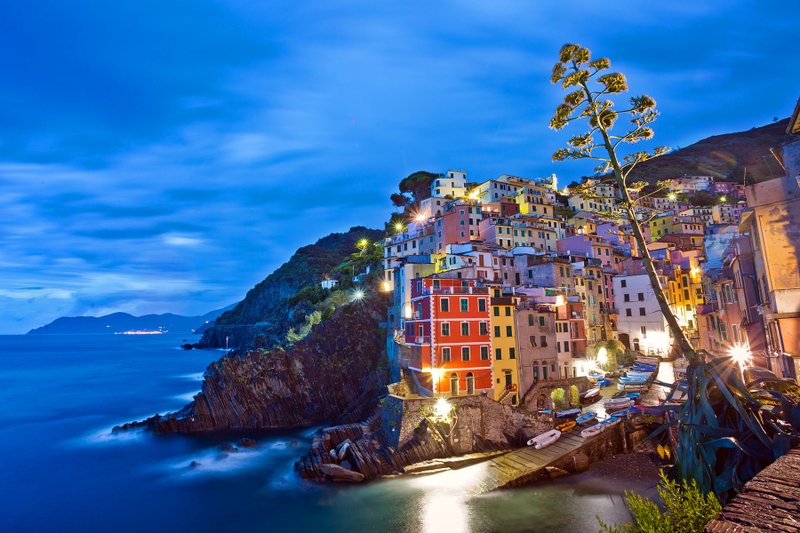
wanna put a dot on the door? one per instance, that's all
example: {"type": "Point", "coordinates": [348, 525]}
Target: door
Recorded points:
{"type": "Point", "coordinates": [508, 379]}
{"type": "Point", "coordinates": [454, 384]}
{"type": "Point", "coordinates": [470, 383]}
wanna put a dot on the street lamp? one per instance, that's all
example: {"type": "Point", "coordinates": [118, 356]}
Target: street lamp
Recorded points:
{"type": "Point", "coordinates": [740, 353]}
{"type": "Point", "coordinates": [358, 295]}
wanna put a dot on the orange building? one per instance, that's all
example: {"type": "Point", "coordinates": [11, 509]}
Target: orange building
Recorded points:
{"type": "Point", "coordinates": [449, 336]}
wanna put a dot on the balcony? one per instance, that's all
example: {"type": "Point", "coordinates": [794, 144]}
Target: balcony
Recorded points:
{"type": "Point", "coordinates": [455, 290]}
{"type": "Point", "coordinates": [418, 339]}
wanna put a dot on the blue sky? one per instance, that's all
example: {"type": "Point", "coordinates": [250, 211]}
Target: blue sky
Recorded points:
{"type": "Point", "coordinates": [165, 156]}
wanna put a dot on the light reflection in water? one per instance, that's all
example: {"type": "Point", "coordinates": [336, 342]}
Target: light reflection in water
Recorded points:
{"type": "Point", "coordinates": [444, 505]}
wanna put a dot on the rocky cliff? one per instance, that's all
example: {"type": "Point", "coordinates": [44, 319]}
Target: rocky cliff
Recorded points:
{"type": "Point", "coordinates": [266, 312]}
{"type": "Point", "coordinates": [335, 374]}
{"type": "Point", "coordinates": [403, 432]}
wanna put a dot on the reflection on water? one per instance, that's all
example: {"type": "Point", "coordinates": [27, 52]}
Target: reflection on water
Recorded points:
{"type": "Point", "coordinates": [135, 481]}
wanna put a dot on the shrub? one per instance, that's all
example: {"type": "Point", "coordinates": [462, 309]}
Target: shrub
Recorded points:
{"type": "Point", "coordinates": [686, 510]}
{"type": "Point", "coordinates": [557, 397]}
{"type": "Point", "coordinates": [574, 396]}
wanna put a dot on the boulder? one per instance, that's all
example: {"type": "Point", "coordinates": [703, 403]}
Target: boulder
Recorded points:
{"type": "Point", "coordinates": [555, 472]}
{"type": "Point", "coordinates": [227, 447]}
{"type": "Point", "coordinates": [580, 462]}
{"type": "Point", "coordinates": [339, 473]}
{"type": "Point", "coordinates": [247, 443]}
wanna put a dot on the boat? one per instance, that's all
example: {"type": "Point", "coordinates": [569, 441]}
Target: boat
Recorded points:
{"type": "Point", "coordinates": [605, 382]}
{"type": "Point", "coordinates": [545, 439]}
{"type": "Point", "coordinates": [586, 417]}
{"type": "Point", "coordinates": [647, 360]}
{"type": "Point", "coordinates": [617, 404]}
{"type": "Point", "coordinates": [593, 430]}
{"type": "Point", "coordinates": [569, 413]}
{"type": "Point", "coordinates": [620, 394]}
{"type": "Point", "coordinates": [563, 427]}
{"type": "Point", "coordinates": [590, 396]}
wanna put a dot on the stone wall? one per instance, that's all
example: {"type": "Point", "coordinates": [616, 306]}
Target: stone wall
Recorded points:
{"type": "Point", "coordinates": [769, 502]}
{"type": "Point", "coordinates": [539, 394]}
{"type": "Point", "coordinates": [403, 432]}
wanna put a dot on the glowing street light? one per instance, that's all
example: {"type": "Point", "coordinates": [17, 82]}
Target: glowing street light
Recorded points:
{"type": "Point", "coordinates": [723, 198]}
{"type": "Point", "coordinates": [399, 227]}
{"type": "Point", "coordinates": [602, 356]}
{"type": "Point", "coordinates": [386, 286]}
{"type": "Point", "coordinates": [358, 295]}
{"type": "Point", "coordinates": [420, 217]}
{"type": "Point", "coordinates": [740, 353]}
{"type": "Point", "coordinates": [672, 196]}
{"type": "Point", "coordinates": [441, 409]}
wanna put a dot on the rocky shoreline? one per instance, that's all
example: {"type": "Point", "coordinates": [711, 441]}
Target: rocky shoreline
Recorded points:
{"type": "Point", "coordinates": [337, 373]}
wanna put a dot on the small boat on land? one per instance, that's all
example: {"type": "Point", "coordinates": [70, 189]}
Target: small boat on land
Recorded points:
{"type": "Point", "coordinates": [545, 439]}
{"type": "Point", "coordinates": [569, 413]}
{"type": "Point", "coordinates": [586, 417]}
{"type": "Point", "coordinates": [590, 396]}
{"type": "Point", "coordinates": [616, 404]}
{"type": "Point", "coordinates": [605, 382]}
{"type": "Point", "coordinates": [592, 431]}
{"type": "Point", "coordinates": [563, 427]}
{"type": "Point", "coordinates": [643, 359]}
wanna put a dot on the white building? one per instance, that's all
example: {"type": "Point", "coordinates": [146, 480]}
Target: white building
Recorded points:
{"type": "Point", "coordinates": [640, 323]}
{"type": "Point", "coordinates": [453, 184]}
{"type": "Point", "coordinates": [329, 283]}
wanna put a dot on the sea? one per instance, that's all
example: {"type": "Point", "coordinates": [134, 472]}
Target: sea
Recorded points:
{"type": "Point", "coordinates": [62, 469]}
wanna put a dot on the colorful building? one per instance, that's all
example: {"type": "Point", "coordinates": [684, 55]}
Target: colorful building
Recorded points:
{"type": "Point", "coordinates": [504, 348]}
{"type": "Point", "coordinates": [448, 336]}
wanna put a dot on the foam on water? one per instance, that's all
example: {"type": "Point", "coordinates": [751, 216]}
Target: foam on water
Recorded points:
{"type": "Point", "coordinates": [195, 376]}
{"type": "Point", "coordinates": [107, 436]}
{"type": "Point", "coordinates": [186, 397]}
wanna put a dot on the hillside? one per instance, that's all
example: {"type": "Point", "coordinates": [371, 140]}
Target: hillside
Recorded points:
{"type": "Point", "coordinates": [120, 322]}
{"type": "Point", "coordinates": [268, 310]}
{"type": "Point", "coordinates": [722, 156]}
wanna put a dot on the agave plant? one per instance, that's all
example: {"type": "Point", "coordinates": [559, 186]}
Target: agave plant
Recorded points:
{"type": "Point", "coordinates": [729, 429]}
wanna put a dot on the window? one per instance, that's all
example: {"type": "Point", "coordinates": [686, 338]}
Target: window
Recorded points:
{"type": "Point", "coordinates": [445, 329]}
{"type": "Point", "coordinates": [508, 311]}
{"type": "Point", "coordinates": [623, 283]}
{"type": "Point", "coordinates": [509, 331]}
{"type": "Point", "coordinates": [464, 305]}
{"type": "Point", "coordinates": [498, 354]}
{"type": "Point", "coordinates": [643, 329]}
{"type": "Point", "coordinates": [496, 311]}
{"type": "Point", "coordinates": [543, 341]}
{"type": "Point", "coordinates": [642, 311]}
{"type": "Point", "coordinates": [566, 346]}
{"type": "Point", "coordinates": [445, 355]}
{"type": "Point", "coordinates": [484, 328]}
{"type": "Point", "coordinates": [641, 296]}
{"type": "Point", "coordinates": [482, 305]}
{"type": "Point", "coordinates": [484, 353]}
{"type": "Point", "coordinates": [541, 321]}
{"type": "Point", "coordinates": [444, 305]}
{"type": "Point", "coordinates": [437, 284]}
{"type": "Point", "coordinates": [512, 353]}
{"type": "Point", "coordinates": [628, 312]}
{"type": "Point", "coordinates": [465, 353]}
{"type": "Point", "coordinates": [626, 297]}
{"type": "Point", "coordinates": [533, 341]}
{"type": "Point", "coordinates": [497, 331]}
{"type": "Point", "coordinates": [465, 329]}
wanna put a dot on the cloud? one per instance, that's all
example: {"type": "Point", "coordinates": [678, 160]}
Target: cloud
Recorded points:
{"type": "Point", "coordinates": [168, 163]}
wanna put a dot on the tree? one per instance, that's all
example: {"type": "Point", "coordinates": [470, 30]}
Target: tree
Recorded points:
{"type": "Point", "coordinates": [591, 99]}
{"type": "Point", "coordinates": [730, 426]}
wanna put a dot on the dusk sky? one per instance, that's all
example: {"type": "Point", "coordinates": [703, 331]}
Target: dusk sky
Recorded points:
{"type": "Point", "coordinates": [166, 156]}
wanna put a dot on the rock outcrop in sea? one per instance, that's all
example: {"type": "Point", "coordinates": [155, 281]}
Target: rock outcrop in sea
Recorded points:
{"type": "Point", "coordinates": [335, 374]}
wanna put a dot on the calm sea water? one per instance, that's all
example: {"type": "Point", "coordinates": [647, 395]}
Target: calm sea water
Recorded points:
{"type": "Point", "coordinates": [62, 470]}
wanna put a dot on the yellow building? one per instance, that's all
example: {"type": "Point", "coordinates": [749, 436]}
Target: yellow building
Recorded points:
{"type": "Point", "coordinates": [504, 348]}
{"type": "Point", "coordinates": [686, 295]}
{"type": "Point", "coordinates": [660, 226]}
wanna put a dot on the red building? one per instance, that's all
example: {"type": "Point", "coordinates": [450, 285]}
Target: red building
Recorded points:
{"type": "Point", "coordinates": [448, 336]}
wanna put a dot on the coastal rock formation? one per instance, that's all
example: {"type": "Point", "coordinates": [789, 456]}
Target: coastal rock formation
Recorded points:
{"type": "Point", "coordinates": [337, 373]}
{"type": "Point", "coordinates": [266, 312]}
{"type": "Point", "coordinates": [403, 432]}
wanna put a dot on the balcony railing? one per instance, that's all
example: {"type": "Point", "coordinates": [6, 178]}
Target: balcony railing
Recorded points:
{"type": "Point", "coordinates": [418, 339]}
{"type": "Point", "coordinates": [455, 290]}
